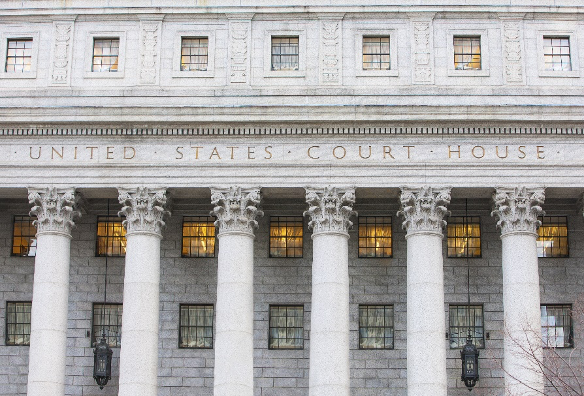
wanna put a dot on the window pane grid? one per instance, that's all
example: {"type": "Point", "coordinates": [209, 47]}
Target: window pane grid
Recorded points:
{"type": "Point", "coordinates": [18, 323]}
{"type": "Point", "coordinates": [556, 53]}
{"type": "Point", "coordinates": [18, 55]}
{"type": "Point", "coordinates": [111, 237]}
{"type": "Point", "coordinates": [105, 55]}
{"type": "Point", "coordinates": [552, 240]}
{"type": "Point", "coordinates": [286, 236]}
{"type": "Point", "coordinates": [460, 315]}
{"type": "Point", "coordinates": [196, 326]}
{"type": "Point", "coordinates": [556, 326]}
{"type": "Point", "coordinates": [375, 236]}
{"type": "Point", "coordinates": [198, 236]}
{"type": "Point", "coordinates": [376, 54]}
{"type": "Point", "coordinates": [285, 53]}
{"type": "Point", "coordinates": [108, 318]}
{"type": "Point", "coordinates": [464, 236]}
{"type": "Point", "coordinates": [286, 328]}
{"type": "Point", "coordinates": [194, 54]}
{"type": "Point", "coordinates": [376, 327]}
{"type": "Point", "coordinates": [467, 53]}
{"type": "Point", "coordinates": [24, 237]}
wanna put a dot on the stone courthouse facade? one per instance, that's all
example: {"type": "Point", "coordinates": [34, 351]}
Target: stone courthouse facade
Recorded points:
{"type": "Point", "coordinates": [290, 197]}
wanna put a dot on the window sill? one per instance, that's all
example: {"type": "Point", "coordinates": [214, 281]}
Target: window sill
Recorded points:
{"type": "Point", "coordinates": [105, 75]}
{"type": "Point", "coordinates": [18, 76]}
{"type": "Point", "coordinates": [560, 73]}
{"type": "Point", "coordinates": [193, 74]}
{"type": "Point", "coordinates": [468, 73]}
{"type": "Point", "coordinates": [284, 74]}
{"type": "Point", "coordinates": [376, 73]}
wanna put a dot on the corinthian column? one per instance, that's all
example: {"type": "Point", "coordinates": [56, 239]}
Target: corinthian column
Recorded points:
{"type": "Point", "coordinates": [236, 210]}
{"type": "Point", "coordinates": [423, 210]}
{"type": "Point", "coordinates": [144, 212]}
{"type": "Point", "coordinates": [329, 209]}
{"type": "Point", "coordinates": [55, 210]}
{"type": "Point", "coordinates": [517, 210]}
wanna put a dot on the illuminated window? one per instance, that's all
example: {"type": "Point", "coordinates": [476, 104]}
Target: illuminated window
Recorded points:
{"type": "Point", "coordinates": [556, 53]}
{"type": "Point", "coordinates": [552, 240]}
{"type": "Point", "coordinates": [467, 53]}
{"type": "Point", "coordinates": [19, 55]}
{"type": "Point", "coordinates": [375, 326]}
{"type": "Point", "coordinates": [462, 319]}
{"type": "Point", "coordinates": [196, 326]}
{"type": "Point", "coordinates": [286, 236]}
{"type": "Point", "coordinates": [376, 53]}
{"type": "Point", "coordinates": [194, 53]}
{"type": "Point", "coordinates": [18, 323]}
{"type": "Point", "coordinates": [286, 327]}
{"type": "Point", "coordinates": [198, 236]}
{"type": "Point", "coordinates": [375, 237]}
{"type": "Point", "coordinates": [105, 55]}
{"type": "Point", "coordinates": [111, 237]}
{"type": "Point", "coordinates": [464, 236]}
{"type": "Point", "coordinates": [556, 326]}
{"type": "Point", "coordinates": [23, 237]}
{"type": "Point", "coordinates": [285, 53]}
{"type": "Point", "coordinates": [108, 318]}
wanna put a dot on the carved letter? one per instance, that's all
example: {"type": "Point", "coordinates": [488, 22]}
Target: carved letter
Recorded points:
{"type": "Point", "coordinates": [268, 152]}
{"type": "Point", "coordinates": [522, 152]}
{"type": "Point", "coordinates": [360, 155]}
{"type": "Point", "coordinates": [109, 152]}
{"type": "Point", "coordinates": [232, 150]}
{"type": "Point", "coordinates": [38, 156]}
{"type": "Point", "coordinates": [335, 150]}
{"type": "Point", "coordinates": [214, 152]}
{"type": "Point", "coordinates": [196, 151]}
{"type": "Point", "coordinates": [482, 152]}
{"type": "Point", "coordinates": [179, 152]}
{"type": "Point", "coordinates": [450, 151]}
{"type": "Point", "coordinates": [387, 151]}
{"type": "Point", "coordinates": [506, 151]}
{"type": "Point", "coordinates": [540, 152]}
{"type": "Point", "coordinates": [310, 148]}
{"type": "Point", "coordinates": [53, 152]}
{"type": "Point", "coordinates": [251, 152]}
{"type": "Point", "coordinates": [126, 153]}
{"type": "Point", "coordinates": [409, 147]}
{"type": "Point", "coordinates": [91, 151]}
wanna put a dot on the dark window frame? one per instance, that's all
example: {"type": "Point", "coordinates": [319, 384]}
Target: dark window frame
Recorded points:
{"type": "Point", "coordinates": [210, 223]}
{"type": "Point", "coordinates": [464, 329]}
{"type": "Point", "coordinates": [194, 56]}
{"type": "Point", "coordinates": [294, 65]}
{"type": "Point", "coordinates": [276, 219]}
{"type": "Point", "coordinates": [462, 64]}
{"type": "Point", "coordinates": [381, 54]}
{"type": "Point", "coordinates": [567, 237]}
{"type": "Point", "coordinates": [385, 327]}
{"type": "Point", "coordinates": [96, 337]}
{"type": "Point", "coordinates": [109, 239]}
{"type": "Point", "coordinates": [560, 55]}
{"type": "Point", "coordinates": [95, 67]}
{"type": "Point", "coordinates": [475, 220]}
{"type": "Point", "coordinates": [25, 56]}
{"type": "Point", "coordinates": [270, 347]}
{"type": "Point", "coordinates": [6, 324]}
{"type": "Point", "coordinates": [571, 327]}
{"type": "Point", "coordinates": [363, 221]}
{"type": "Point", "coordinates": [180, 326]}
{"type": "Point", "coordinates": [32, 244]}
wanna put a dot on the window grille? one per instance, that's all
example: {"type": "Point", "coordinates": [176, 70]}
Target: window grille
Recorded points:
{"type": "Point", "coordinates": [556, 53]}
{"type": "Point", "coordinates": [105, 55]}
{"type": "Point", "coordinates": [18, 323]}
{"type": "Point", "coordinates": [375, 237]}
{"type": "Point", "coordinates": [286, 327]}
{"type": "Point", "coordinates": [376, 54]}
{"type": "Point", "coordinates": [556, 326]}
{"type": "Point", "coordinates": [467, 53]}
{"type": "Point", "coordinates": [285, 53]}
{"type": "Point", "coordinates": [111, 237]}
{"type": "Point", "coordinates": [286, 236]}
{"type": "Point", "coordinates": [463, 318]}
{"type": "Point", "coordinates": [19, 55]}
{"type": "Point", "coordinates": [24, 237]}
{"type": "Point", "coordinates": [194, 53]}
{"type": "Point", "coordinates": [552, 239]}
{"type": "Point", "coordinates": [376, 327]}
{"type": "Point", "coordinates": [196, 326]}
{"type": "Point", "coordinates": [107, 317]}
{"type": "Point", "coordinates": [198, 236]}
{"type": "Point", "coordinates": [464, 236]}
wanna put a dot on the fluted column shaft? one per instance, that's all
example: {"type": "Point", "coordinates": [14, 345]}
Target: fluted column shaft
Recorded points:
{"type": "Point", "coordinates": [424, 209]}
{"type": "Point", "coordinates": [517, 210]}
{"type": "Point", "coordinates": [144, 211]}
{"type": "Point", "coordinates": [329, 211]}
{"type": "Point", "coordinates": [55, 210]}
{"type": "Point", "coordinates": [236, 210]}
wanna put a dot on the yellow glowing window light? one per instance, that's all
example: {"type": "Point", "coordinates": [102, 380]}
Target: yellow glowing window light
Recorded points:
{"type": "Point", "coordinates": [111, 237]}
{"type": "Point", "coordinates": [467, 53]}
{"type": "Point", "coordinates": [286, 236]}
{"type": "Point", "coordinates": [198, 236]}
{"type": "Point", "coordinates": [375, 236]}
{"type": "Point", "coordinates": [552, 240]}
{"type": "Point", "coordinates": [24, 237]}
{"type": "Point", "coordinates": [464, 236]}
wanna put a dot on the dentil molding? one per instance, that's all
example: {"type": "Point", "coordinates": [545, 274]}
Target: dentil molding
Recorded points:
{"type": "Point", "coordinates": [236, 209]}
{"type": "Point", "coordinates": [54, 208]}
{"type": "Point", "coordinates": [144, 209]}
{"type": "Point", "coordinates": [329, 209]}
{"type": "Point", "coordinates": [424, 208]}
{"type": "Point", "coordinates": [517, 209]}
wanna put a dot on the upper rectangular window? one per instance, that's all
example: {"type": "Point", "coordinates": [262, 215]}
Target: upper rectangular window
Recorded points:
{"type": "Point", "coordinates": [111, 237]}
{"type": "Point", "coordinates": [194, 53]}
{"type": "Point", "coordinates": [24, 237]}
{"type": "Point", "coordinates": [107, 318]}
{"type": "Point", "coordinates": [552, 240]}
{"type": "Point", "coordinates": [196, 326]}
{"type": "Point", "coordinates": [375, 236]}
{"type": "Point", "coordinates": [467, 52]}
{"type": "Point", "coordinates": [465, 319]}
{"type": "Point", "coordinates": [376, 327]}
{"type": "Point", "coordinates": [464, 236]}
{"type": "Point", "coordinates": [285, 53]}
{"type": "Point", "coordinates": [198, 236]}
{"type": "Point", "coordinates": [19, 55]}
{"type": "Point", "coordinates": [376, 53]}
{"type": "Point", "coordinates": [556, 53]}
{"type": "Point", "coordinates": [18, 323]}
{"type": "Point", "coordinates": [286, 327]}
{"type": "Point", "coordinates": [556, 326]}
{"type": "Point", "coordinates": [105, 54]}
{"type": "Point", "coordinates": [286, 236]}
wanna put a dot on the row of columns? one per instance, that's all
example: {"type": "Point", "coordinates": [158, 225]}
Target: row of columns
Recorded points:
{"type": "Point", "coordinates": [329, 210]}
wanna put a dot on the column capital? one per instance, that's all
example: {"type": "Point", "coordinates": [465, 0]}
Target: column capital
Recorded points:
{"type": "Point", "coordinates": [144, 209]}
{"type": "Point", "coordinates": [423, 208]}
{"type": "Point", "coordinates": [329, 209]}
{"type": "Point", "coordinates": [517, 208]}
{"type": "Point", "coordinates": [236, 208]}
{"type": "Point", "coordinates": [55, 209]}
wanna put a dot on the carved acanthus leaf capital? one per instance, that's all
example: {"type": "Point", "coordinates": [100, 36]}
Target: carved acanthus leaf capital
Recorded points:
{"type": "Point", "coordinates": [144, 209]}
{"type": "Point", "coordinates": [330, 208]}
{"type": "Point", "coordinates": [517, 209]}
{"type": "Point", "coordinates": [424, 208]}
{"type": "Point", "coordinates": [55, 209]}
{"type": "Point", "coordinates": [236, 209]}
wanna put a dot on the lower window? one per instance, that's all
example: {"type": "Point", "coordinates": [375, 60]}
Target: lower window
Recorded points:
{"type": "Point", "coordinates": [556, 326]}
{"type": "Point", "coordinates": [286, 327]}
{"type": "Point", "coordinates": [18, 323]}
{"type": "Point", "coordinates": [107, 320]}
{"type": "Point", "coordinates": [376, 327]}
{"type": "Point", "coordinates": [465, 319]}
{"type": "Point", "coordinates": [196, 326]}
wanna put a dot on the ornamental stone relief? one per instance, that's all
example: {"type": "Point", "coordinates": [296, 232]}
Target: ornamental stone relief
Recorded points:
{"type": "Point", "coordinates": [329, 209]}
{"type": "Point", "coordinates": [236, 209]}
{"type": "Point", "coordinates": [239, 53]}
{"type": "Point", "coordinates": [149, 55]}
{"type": "Point", "coordinates": [330, 63]}
{"type": "Point", "coordinates": [512, 52]}
{"type": "Point", "coordinates": [54, 208]}
{"type": "Point", "coordinates": [144, 209]}
{"type": "Point", "coordinates": [424, 208]}
{"type": "Point", "coordinates": [518, 208]}
{"type": "Point", "coordinates": [423, 68]}
{"type": "Point", "coordinates": [61, 53]}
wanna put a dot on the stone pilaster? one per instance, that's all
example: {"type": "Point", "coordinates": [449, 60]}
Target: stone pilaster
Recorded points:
{"type": "Point", "coordinates": [239, 48]}
{"type": "Point", "coordinates": [424, 209]}
{"type": "Point", "coordinates": [61, 54]}
{"type": "Point", "coordinates": [236, 210]}
{"type": "Point", "coordinates": [513, 59]}
{"type": "Point", "coordinates": [150, 32]}
{"type": "Point", "coordinates": [330, 209]}
{"type": "Point", "coordinates": [517, 210]}
{"type": "Point", "coordinates": [331, 56]}
{"type": "Point", "coordinates": [144, 209]}
{"type": "Point", "coordinates": [55, 210]}
{"type": "Point", "coordinates": [422, 45]}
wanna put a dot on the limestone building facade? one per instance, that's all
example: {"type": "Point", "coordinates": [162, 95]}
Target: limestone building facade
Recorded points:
{"type": "Point", "coordinates": [290, 199]}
